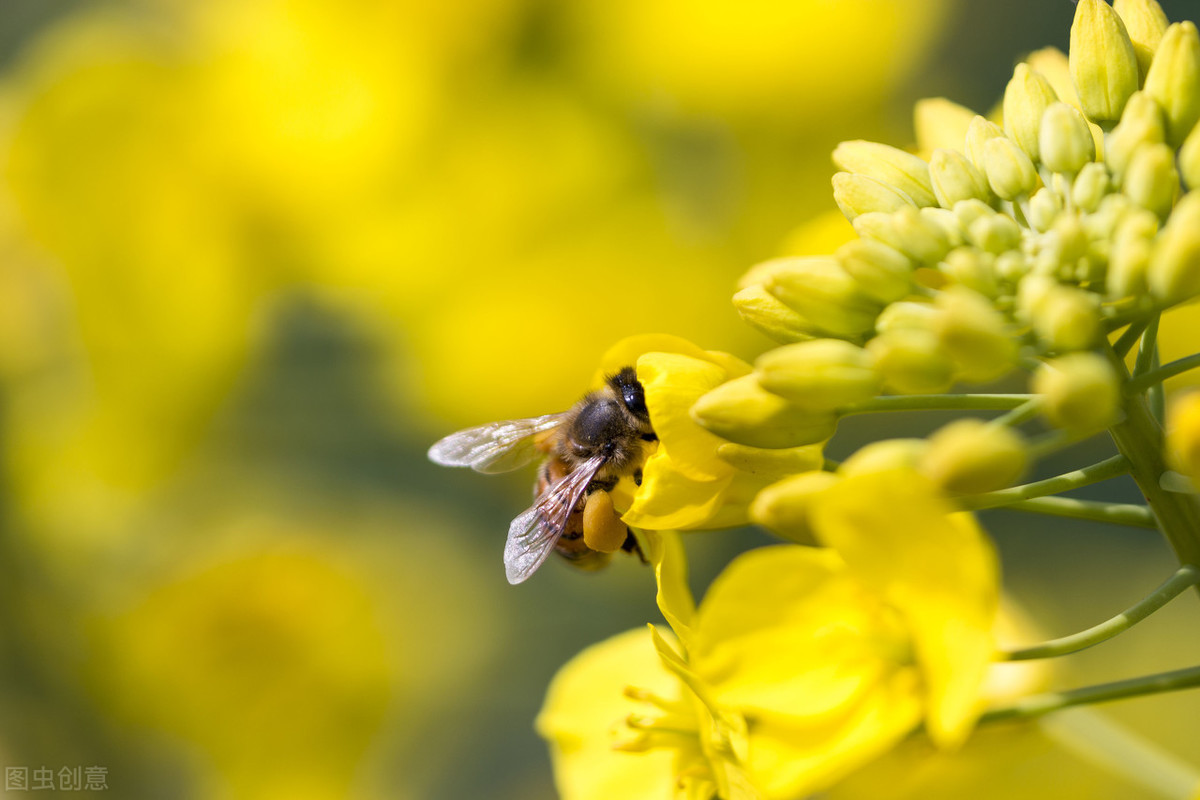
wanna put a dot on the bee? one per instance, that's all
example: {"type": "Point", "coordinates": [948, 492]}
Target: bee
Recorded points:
{"type": "Point", "coordinates": [586, 451]}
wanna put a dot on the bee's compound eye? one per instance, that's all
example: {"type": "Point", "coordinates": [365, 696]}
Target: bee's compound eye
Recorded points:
{"type": "Point", "coordinates": [632, 393]}
{"type": "Point", "coordinates": [603, 530]}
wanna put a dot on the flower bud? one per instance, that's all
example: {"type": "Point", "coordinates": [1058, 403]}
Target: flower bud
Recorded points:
{"type": "Point", "coordinates": [974, 334]}
{"type": "Point", "coordinates": [1151, 180]}
{"type": "Point", "coordinates": [970, 456]}
{"type": "Point", "coordinates": [1032, 292]}
{"type": "Point", "coordinates": [1145, 23]}
{"type": "Point", "coordinates": [1142, 123]}
{"type": "Point", "coordinates": [882, 272]}
{"type": "Point", "coordinates": [776, 461]}
{"type": "Point", "coordinates": [941, 123]}
{"type": "Point", "coordinates": [821, 291]}
{"type": "Point", "coordinates": [1129, 257]}
{"type": "Point", "coordinates": [979, 134]}
{"type": "Point", "coordinates": [946, 221]}
{"type": "Point", "coordinates": [911, 361]}
{"type": "Point", "coordinates": [1183, 436]}
{"type": "Point", "coordinates": [1063, 246]}
{"type": "Point", "coordinates": [918, 237]}
{"type": "Point", "coordinates": [1009, 171]}
{"type": "Point", "coordinates": [1067, 319]}
{"type": "Point", "coordinates": [821, 375]}
{"type": "Point", "coordinates": [1091, 186]}
{"type": "Point", "coordinates": [767, 314]}
{"type": "Point", "coordinates": [1044, 208]}
{"type": "Point", "coordinates": [743, 412]}
{"type": "Point", "coordinates": [888, 165]}
{"type": "Point", "coordinates": [1080, 392]}
{"type": "Point", "coordinates": [1174, 80]}
{"type": "Point", "coordinates": [885, 455]}
{"type": "Point", "coordinates": [997, 233]}
{"type": "Point", "coordinates": [783, 507]}
{"type": "Point", "coordinates": [1012, 266]}
{"type": "Point", "coordinates": [1026, 98]}
{"type": "Point", "coordinates": [1189, 159]}
{"type": "Point", "coordinates": [906, 315]}
{"type": "Point", "coordinates": [858, 194]}
{"type": "Point", "coordinates": [1174, 274]}
{"type": "Point", "coordinates": [1103, 62]}
{"type": "Point", "coordinates": [955, 178]}
{"type": "Point", "coordinates": [1064, 140]}
{"type": "Point", "coordinates": [972, 268]}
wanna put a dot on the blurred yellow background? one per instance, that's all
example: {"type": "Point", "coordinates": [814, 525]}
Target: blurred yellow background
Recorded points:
{"type": "Point", "coordinates": [256, 255]}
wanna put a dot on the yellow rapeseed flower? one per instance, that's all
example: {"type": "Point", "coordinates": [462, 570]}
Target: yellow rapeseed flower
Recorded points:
{"type": "Point", "coordinates": [800, 665]}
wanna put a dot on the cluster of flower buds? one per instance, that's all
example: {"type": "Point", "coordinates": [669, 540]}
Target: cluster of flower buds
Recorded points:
{"type": "Point", "coordinates": [1025, 246]}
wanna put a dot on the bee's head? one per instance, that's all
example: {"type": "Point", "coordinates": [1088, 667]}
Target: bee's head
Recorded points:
{"type": "Point", "coordinates": [627, 387]}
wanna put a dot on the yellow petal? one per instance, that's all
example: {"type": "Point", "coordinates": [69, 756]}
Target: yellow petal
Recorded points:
{"type": "Point", "coordinates": [626, 352]}
{"type": "Point", "coordinates": [670, 500]}
{"type": "Point", "coordinates": [665, 552]}
{"type": "Point", "coordinates": [673, 383]}
{"type": "Point", "coordinates": [583, 704]}
{"type": "Point", "coordinates": [937, 567]}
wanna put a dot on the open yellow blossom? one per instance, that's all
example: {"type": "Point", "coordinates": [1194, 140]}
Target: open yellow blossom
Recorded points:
{"type": "Point", "coordinates": [693, 479]}
{"type": "Point", "coordinates": [800, 665]}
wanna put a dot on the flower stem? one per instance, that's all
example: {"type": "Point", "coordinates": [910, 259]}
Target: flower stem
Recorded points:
{"type": "Point", "coordinates": [1101, 471]}
{"type": "Point", "coordinates": [1183, 578]}
{"type": "Point", "coordinates": [938, 402]}
{"type": "Point", "coordinates": [1139, 437]}
{"type": "Point", "coordinates": [1130, 337]}
{"type": "Point", "coordinates": [1114, 513]}
{"type": "Point", "coordinates": [1147, 379]}
{"type": "Point", "coordinates": [1039, 704]}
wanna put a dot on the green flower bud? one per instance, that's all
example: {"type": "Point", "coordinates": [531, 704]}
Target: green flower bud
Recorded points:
{"type": "Point", "coordinates": [821, 375]}
{"type": "Point", "coordinates": [911, 361]}
{"type": "Point", "coordinates": [1009, 171]}
{"type": "Point", "coordinates": [1189, 159]}
{"type": "Point", "coordinates": [1026, 98]}
{"type": "Point", "coordinates": [955, 178]}
{"type": "Point", "coordinates": [764, 312]}
{"type": "Point", "coordinates": [1145, 23]}
{"type": "Point", "coordinates": [946, 221]}
{"type": "Point", "coordinates": [1067, 319]}
{"type": "Point", "coordinates": [1012, 266]}
{"type": "Point", "coordinates": [823, 293]}
{"type": "Point", "coordinates": [882, 272]}
{"type": "Point", "coordinates": [918, 237]}
{"type": "Point", "coordinates": [743, 412]}
{"type": "Point", "coordinates": [858, 194]}
{"type": "Point", "coordinates": [979, 134]}
{"type": "Point", "coordinates": [1174, 274]}
{"type": "Point", "coordinates": [1044, 208]}
{"type": "Point", "coordinates": [1103, 63]}
{"type": "Point", "coordinates": [885, 455]}
{"type": "Point", "coordinates": [1129, 257]}
{"type": "Point", "coordinates": [1091, 186]}
{"type": "Point", "coordinates": [1063, 246]}
{"type": "Point", "coordinates": [1142, 123]}
{"type": "Point", "coordinates": [888, 165]}
{"type": "Point", "coordinates": [974, 334]}
{"type": "Point", "coordinates": [776, 461]}
{"type": "Point", "coordinates": [783, 507]}
{"type": "Point", "coordinates": [906, 315]}
{"type": "Point", "coordinates": [1174, 80]}
{"type": "Point", "coordinates": [967, 211]}
{"type": "Point", "coordinates": [1032, 292]}
{"type": "Point", "coordinates": [1080, 392]}
{"type": "Point", "coordinates": [940, 122]}
{"type": "Point", "coordinates": [969, 456]}
{"type": "Point", "coordinates": [972, 268]}
{"type": "Point", "coordinates": [997, 233]}
{"type": "Point", "coordinates": [1064, 140]}
{"type": "Point", "coordinates": [1151, 180]}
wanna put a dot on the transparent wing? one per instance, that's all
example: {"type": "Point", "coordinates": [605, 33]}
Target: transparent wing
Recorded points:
{"type": "Point", "coordinates": [533, 534]}
{"type": "Point", "coordinates": [495, 447]}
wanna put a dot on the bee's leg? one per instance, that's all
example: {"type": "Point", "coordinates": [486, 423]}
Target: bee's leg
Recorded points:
{"type": "Point", "coordinates": [601, 485]}
{"type": "Point", "coordinates": [631, 546]}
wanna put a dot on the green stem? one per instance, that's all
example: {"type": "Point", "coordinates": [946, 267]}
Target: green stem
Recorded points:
{"type": "Point", "coordinates": [938, 402]}
{"type": "Point", "coordinates": [1147, 349]}
{"type": "Point", "coordinates": [1139, 437]}
{"type": "Point", "coordinates": [1183, 578]}
{"type": "Point", "coordinates": [1101, 471]}
{"type": "Point", "coordinates": [1114, 513]}
{"type": "Point", "coordinates": [1130, 337]}
{"type": "Point", "coordinates": [1155, 376]}
{"type": "Point", "coordinates": [1039, 704]}
{"type": "Point", "coordinates": [1021, 413]}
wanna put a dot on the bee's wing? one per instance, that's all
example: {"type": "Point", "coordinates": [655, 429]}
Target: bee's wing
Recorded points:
{"type": "Point", "coordinates": [533, 534]}
{"type": "Point", "coordinates": [495, 447]}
